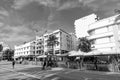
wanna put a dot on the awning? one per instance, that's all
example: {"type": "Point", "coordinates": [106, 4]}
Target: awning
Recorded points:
{"type": "Point", "coordinates": [62, 55]}
{"type": "Point", "coordinates": [42, 56]}
{"type": "Point", "coordinates": [76, 53]}
{"type": "Point", "coordinates": [16, 56]}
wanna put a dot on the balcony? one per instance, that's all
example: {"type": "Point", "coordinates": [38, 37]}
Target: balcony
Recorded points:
{"type": "Point", "coordinates": [104, 45]}
{"type": "Point", "coordinates": [96, 36]}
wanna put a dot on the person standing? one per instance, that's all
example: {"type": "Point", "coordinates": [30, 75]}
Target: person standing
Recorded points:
{"type": "Point", "coordinates": [13, 63]}
{"type": "Point", "coordinates": [44, 64]}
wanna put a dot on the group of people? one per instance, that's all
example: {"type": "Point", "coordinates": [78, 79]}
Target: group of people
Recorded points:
{"type": "Point", "coordinates": [49, 62]}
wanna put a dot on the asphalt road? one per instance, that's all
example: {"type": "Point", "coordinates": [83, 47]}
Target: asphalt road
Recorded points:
{"type": "Point", "coordinates": [29, 72]}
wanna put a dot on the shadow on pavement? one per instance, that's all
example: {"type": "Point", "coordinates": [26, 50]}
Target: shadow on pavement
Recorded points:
{"type": "Point", "coordinates": [30, 69]}
{"type": "Point", "coordinates": [24, 79]}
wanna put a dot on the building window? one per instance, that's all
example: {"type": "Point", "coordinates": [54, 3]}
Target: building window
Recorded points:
{"type": "Point", "coordinates": [33, 47]}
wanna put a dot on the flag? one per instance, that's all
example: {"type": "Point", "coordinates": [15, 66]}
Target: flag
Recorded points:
{"type": "Point", "coordinates": [97, 18]}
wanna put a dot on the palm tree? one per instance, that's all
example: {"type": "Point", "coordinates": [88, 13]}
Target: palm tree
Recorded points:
{"type": "Point", "coordinates": [84, 46]}
{"type": "Point", "coordinates": [52, 41]}
{"type": "Point", "coordinates": [1, 47]}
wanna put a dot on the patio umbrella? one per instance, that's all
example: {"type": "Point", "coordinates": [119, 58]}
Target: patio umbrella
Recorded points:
{"type": "Point", "coordinates": [42, 56]}
{"type": "Point", "coordinates": [62, 55]}
{"type": "Point", "coordinates": [76, 53]}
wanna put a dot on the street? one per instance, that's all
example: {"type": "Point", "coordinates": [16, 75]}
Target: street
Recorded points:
{"type": "Point", "coordinates": [34, 72]}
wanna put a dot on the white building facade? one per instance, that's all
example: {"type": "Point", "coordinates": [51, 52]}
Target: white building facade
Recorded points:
{"type": "Point", "coordinates": [26, 49]}
{"type": "Point", "coordinates": [66, 43]}
{"type": "Point", "coordinates": [105, 34]}
{"type": "Point", "coordinates": [81, 25]}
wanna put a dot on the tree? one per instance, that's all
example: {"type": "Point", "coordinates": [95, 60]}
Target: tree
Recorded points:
{"type": "Point", "coordinates": [8, 54]}
{"type": "Point", "coordinates": [52, 41]}
{"type": "Point", "coordinates": [1, 47]}
{"type": "Point", "coordinates": [84, 46]}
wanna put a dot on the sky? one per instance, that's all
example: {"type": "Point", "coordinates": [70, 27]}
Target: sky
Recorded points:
{"type": "Point", "coordinates": [21, 20]}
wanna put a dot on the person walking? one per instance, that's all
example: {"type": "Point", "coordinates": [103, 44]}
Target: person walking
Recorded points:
{"type": "Point", "coordinates": [44, 64]}
{"type": "Point", "coordinates": [13, 63]}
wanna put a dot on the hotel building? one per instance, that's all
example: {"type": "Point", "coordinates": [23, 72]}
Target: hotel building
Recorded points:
{"type": "Point", "coordinates": [81, 25]}
{"type": "Point", "coordinates": [105, 34]}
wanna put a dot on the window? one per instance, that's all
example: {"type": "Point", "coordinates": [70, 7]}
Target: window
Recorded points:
{"type": "Point", "coordinates": [33, 47]}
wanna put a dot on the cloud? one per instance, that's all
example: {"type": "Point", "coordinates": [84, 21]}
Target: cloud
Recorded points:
{"type": "Point", "coordinates": [4, 12]}
{"type": "Point", "coordinates": [18, 4]}
{"type": "Point", "coordinates": [13, 34]}
{"type": "Point", "coordinates": [69, 4]}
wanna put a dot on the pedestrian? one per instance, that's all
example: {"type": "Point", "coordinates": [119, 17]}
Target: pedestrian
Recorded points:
{"type": "Point", "coordinates": [13, 63]}
{"type": "Point", "coordinates": [44, 64]}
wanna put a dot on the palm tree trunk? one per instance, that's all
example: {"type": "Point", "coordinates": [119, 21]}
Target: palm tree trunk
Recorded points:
{"type": "Point", "coordinates": [81, 62]}
{"type": "Point", "coordinates": [53, 50]}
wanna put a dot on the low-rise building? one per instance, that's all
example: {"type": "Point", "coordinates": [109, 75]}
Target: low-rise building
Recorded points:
{"type": "Point", "coordinates": [26, 49]}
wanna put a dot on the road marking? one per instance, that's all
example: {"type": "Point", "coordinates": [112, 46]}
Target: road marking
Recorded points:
{"type": "Point", "coordinates": [56, 78]}
{"type": "Point", "coordinates": [39, 76]}
{"type": "Point", "coordinates": [70, 71]}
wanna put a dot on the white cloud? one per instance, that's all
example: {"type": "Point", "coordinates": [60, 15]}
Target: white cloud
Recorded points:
{"type": "Point", "coordinates": [15, 33]}
{"type": "Point", "coordinates": [4, 12]}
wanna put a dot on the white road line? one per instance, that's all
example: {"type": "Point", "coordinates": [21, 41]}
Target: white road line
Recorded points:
{"type": "Point", "coordinates": [29, 75]}
{"type": "Point", "coordinates": [39, 76]}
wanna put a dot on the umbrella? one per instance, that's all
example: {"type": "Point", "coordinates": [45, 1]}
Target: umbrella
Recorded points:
{"type": "Point", "coordinates": [76, 53]}
{"type": "Point", "coordinates": [42, 56]}
{"type": "Point", "coordinates": [62, 55]}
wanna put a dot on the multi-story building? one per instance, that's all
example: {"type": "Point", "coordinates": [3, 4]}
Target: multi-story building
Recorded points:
{"type": "Point", "coordinates": [39, 47]}
{"type": "Point", "coordinates": [26, 49]}
{"type": "Point", "coordinates": [66, 43]}
{"type": "Point", "coordinates": [81, 25]}
{"type": "Point", "coordinates": [105, 34]}
{"type": "Point", "coordinates": [65, 40]}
